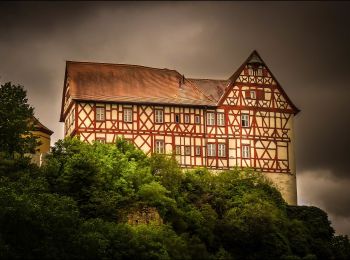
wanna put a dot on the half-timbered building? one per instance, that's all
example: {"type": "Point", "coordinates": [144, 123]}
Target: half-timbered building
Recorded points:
{"type": "Point", "coordinates": [243, 121]}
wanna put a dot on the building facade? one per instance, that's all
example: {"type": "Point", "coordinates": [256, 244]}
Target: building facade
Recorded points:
{"type": "Point", "coordinates": [44, 136]}
{"type": "Point", "coordinates": [244, 121]}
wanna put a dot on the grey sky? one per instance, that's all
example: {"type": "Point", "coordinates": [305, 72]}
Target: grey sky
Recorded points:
{"type": "Point", "coordinates": [305, 44]}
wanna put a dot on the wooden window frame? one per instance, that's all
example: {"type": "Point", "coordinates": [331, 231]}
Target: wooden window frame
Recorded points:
{"type": "Point", "coordinates": [125, 109]}
{"type": "Point", "coordinates": [104, 114]}
{"type": "Point", "coordinates": [157, 117]}
{"type": "Point", "coordinates": [187, 148]}
{"type": "Point", "coordinates": [247, 146]}
{"type": "Point", "coordinates": [223, 118]}
{"type": "Point", "coordinates": [224, 150]}
{"type": "Point", "coordinates": [176, 149]}
{"type": "Point", "coordinates": [200, 150]}
{"type": "Point", "coordinates": [189, 119]}
{"type": "Point", "coordinates": [199, 119]}
{"type": "Point", "coordinates": [252, 92]}
{"type": "Point", "coordinates": [248, 120]}
{"type": "Point", "coordinates": [177, 115]}
{"type": "Point", "coordinates": [213, 145]}
{"type": "Point", "coordinates": [210, 121]}
{"type": "Point", "coordinates": [155, 146]}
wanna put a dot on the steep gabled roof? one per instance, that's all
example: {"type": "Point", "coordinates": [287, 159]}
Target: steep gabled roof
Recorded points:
{"type": "Point", "coordinates": [254, 57]}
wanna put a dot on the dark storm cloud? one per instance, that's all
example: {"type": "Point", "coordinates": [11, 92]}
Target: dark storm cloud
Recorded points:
{"type": "Point", "coordinates": [332, 195]}
{"type": "Point", "coordinates": [305, 44]}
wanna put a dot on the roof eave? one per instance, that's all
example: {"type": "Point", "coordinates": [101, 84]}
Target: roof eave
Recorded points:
{"type": "Point", "coordinates": [145, 102]}
{"type": "Point", "coordinates": [64, 90]}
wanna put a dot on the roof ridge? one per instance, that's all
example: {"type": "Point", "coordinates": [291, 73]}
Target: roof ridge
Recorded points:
{"type": "Point", "coordinates": [120, 64]}
{"type": "Point", "coordinates": [209, 79]}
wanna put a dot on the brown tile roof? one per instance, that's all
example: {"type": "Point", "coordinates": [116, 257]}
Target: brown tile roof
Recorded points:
{"type": "Point", "coordinates": [131, 83]}
{"type": "Point", "coordinates": [92, 81]}
{"type": "Point", "coordinates": [38, 126]}
{"type": "Point", "coordinates": [214, 88]}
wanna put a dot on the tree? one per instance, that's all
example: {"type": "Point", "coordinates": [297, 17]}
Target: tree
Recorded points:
{"type": "Point", "coordinates": [341, 247]}
{"type": "Point", "coordinates": [77, 206]}
{"type": "Point", "coordinates": [15, 121]}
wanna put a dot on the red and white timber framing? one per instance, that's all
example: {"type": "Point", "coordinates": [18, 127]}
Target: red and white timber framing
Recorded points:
{"type": "Point", "coordinates": [257, 96]}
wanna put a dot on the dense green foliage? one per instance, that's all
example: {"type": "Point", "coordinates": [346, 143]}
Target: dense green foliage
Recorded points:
{"type": "Point", "coordinates": [76, 207]}
{"type": "Point", "coordinates": [15, 123]}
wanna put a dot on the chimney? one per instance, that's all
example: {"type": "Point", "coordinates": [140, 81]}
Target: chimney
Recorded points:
{"type": "Point", "coordinates": [182, 81]}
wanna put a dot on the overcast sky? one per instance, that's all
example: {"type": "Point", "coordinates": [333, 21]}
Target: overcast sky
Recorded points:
{"type": "Point", "coordinates": [305, 44]}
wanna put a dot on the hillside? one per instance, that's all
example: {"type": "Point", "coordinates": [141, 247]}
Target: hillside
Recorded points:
{"type": "Point", "coordinates": [113, 202]}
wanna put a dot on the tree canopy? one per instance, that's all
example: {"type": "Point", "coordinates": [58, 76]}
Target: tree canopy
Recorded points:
{"type": "Point", "coordinates": [77, 206]}
{"type": "Point", "coordinates": [15, 121]}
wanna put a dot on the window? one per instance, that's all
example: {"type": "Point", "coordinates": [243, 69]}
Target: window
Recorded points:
{"type": "Point", "coordinates": [245, 151]}
{"type": "Point", "coordinates": [100, 113]}
{"type": "Point", "coordinates": [220, 118]}
{"type": "Point", "coordinates": [159, 116]}
{"type": "Point", "coordinates": [221, 150]}
{"type": "Point", "coordinates": [198, 150]}
{"type": "Point", "coordinates": [197, 119]}
{"type": "Point", "coordinates": [127, 114]}
{"type": "Point", "coordinates": [177, 118]}
{"type": "Point", "coordinates": [211, 150]}
{"type": "Point", "coordinates": [210, 118]}
{"type": "Point", "coordinates": [159, 147]}
{"type": "Point", "coordinates": [252, 94]}
{"type": "Point", "coordinates": [187, 119]}
{"type": "Point", "coordinates": [245, 120]}
{"type": "Point", "coordinates": [187, 150]}
{"type": "Point", "coordinates": [177, 149]}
